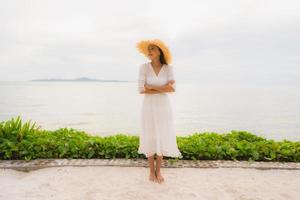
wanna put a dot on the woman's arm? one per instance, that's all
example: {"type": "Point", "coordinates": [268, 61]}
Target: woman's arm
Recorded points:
{"type": "Point", "coordinates": [150, 91]}
{"type": "Point", "coordinates": [166, 88]}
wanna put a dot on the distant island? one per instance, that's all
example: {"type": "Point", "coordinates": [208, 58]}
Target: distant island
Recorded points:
{"type": "Point", "coordinates": [81, 79]}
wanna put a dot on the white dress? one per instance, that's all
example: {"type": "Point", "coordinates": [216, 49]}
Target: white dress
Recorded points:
{"type": "Point", "coordinates": [157, 122]}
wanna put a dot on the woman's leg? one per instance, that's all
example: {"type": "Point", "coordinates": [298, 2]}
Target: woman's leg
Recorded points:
{"type": "Point", "coordinates": [159, 160]}
{"type": "Point", "coordinates": [151, 167]}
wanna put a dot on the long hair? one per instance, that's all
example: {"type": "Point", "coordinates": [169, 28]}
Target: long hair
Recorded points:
{"type": "Point", "coordinates": [162, 57]}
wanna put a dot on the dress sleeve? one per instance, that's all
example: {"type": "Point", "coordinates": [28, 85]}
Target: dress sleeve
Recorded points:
{"type": "Point", "coordinates": [171, 76]}
{"type": "Point", "coordinates": [141, 78]}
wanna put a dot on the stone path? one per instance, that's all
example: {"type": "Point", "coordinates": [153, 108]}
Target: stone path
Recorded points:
{"type": "Point", "coordinates": [24, 165]}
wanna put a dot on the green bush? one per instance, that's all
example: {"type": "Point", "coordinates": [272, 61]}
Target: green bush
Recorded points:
{"type": "Point", "coordinates": [27, 141]}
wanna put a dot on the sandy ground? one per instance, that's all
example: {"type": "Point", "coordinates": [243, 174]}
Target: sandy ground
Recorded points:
{"type": "Point", "coordinates": [116, 183]}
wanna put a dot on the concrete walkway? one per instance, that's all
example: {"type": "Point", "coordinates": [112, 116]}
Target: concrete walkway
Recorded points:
{"type": "Point", "coordinates": [24, 165]}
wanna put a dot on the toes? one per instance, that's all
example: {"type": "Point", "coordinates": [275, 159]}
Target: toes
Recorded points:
{"type": "Point", "coordinates": [160, 179]}
{"type": "Point", "coordinates": [152, 178]}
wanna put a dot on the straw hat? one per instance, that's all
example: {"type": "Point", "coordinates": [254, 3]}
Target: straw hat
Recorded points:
{"type": "Point", "coordinates": [142, 47]}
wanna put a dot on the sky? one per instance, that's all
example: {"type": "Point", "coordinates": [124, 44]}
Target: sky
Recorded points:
{"type": "Point", "coordinates": [212, 42]}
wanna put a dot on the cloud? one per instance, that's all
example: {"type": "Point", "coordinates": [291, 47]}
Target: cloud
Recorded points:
{"type": "Point", "coordinates": [211, 41]}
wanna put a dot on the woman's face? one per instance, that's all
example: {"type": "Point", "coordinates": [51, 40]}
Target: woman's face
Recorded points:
{"type": "Point", "coordinates": [153, 52]}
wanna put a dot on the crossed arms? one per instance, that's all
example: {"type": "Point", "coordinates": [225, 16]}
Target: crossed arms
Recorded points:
{"type": "Point", "coordinates": [152, 89]}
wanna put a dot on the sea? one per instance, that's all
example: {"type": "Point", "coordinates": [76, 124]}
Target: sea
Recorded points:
{"type": "Point", "coordinates": [108, 108]}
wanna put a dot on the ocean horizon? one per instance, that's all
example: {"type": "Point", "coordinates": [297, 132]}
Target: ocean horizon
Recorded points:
{"type": "Point", "coordinates": [108, 108]}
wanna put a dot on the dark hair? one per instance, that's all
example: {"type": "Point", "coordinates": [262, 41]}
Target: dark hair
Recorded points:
{"type": "Point", "coordinates": [162, 57]}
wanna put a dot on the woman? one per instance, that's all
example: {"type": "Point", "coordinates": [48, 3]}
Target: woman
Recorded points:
{"type": "Point", "coordinates": [155, 80]}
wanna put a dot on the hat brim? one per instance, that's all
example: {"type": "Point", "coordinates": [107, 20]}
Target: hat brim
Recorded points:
{"type": "Point", "coordinates": [142, 47]}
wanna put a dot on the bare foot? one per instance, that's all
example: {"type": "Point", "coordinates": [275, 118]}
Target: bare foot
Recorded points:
{"type": "Point", "coordinates": [152, 176]}
{"type": "Point", "coordinates": [159, 177]}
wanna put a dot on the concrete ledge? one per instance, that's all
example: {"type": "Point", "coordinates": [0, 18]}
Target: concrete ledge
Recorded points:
{"type": "Point", "coordinates": [26, 166]}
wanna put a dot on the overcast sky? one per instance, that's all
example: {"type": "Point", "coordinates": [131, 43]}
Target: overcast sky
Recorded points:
{"type": "Point", "coordinates": [216, 41]}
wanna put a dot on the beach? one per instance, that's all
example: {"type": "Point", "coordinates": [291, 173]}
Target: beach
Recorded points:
{"type": "Point", "coordinates": [115, 182]}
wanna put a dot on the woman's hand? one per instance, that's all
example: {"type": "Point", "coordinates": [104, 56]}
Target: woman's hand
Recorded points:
{"type": "Point", "coordinates": [170, 82]}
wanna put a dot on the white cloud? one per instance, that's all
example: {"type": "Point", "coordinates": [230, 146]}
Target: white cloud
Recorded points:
{"type": "Point", "coordinates": [208, 39]}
